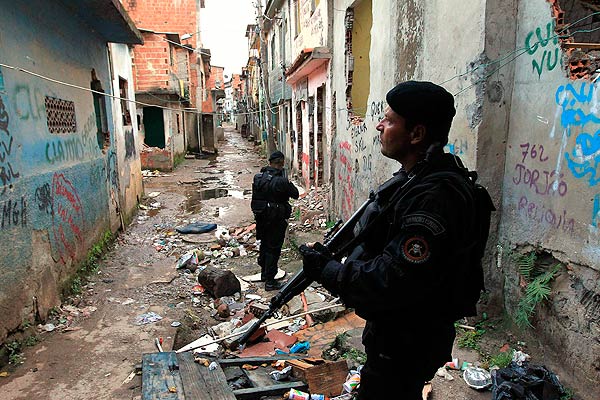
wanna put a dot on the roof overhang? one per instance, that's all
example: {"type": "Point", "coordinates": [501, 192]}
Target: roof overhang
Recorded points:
{"type": "Point", "coordinates": [108, 18]}
{"type": "Point", "coordinates": [307, 61]}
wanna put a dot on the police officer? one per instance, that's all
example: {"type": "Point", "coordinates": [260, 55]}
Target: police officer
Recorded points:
{"type": "Point", "coordinates": [271, 191]}
{"type": "Point", "coordinates": [413, 258]}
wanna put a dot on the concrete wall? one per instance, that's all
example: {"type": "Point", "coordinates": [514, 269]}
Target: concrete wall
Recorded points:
{"type": "Point", "coordinates": [126, 134]}
{"type": "Point", "coordinates": [416, 53]}
{"type": "Point", "coordinates": [55, 194]}
{"type": "Point", "coordinates": [551, 193]}
{"type": "Point", "coordinates": [524, 122]}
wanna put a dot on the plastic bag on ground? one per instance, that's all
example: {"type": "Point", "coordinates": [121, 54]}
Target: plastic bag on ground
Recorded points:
{"type": "Point", "coordinates": [526, 382]}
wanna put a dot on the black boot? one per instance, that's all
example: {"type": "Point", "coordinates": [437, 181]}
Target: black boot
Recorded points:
{"type": "Point", "coordinates": [273, 285]}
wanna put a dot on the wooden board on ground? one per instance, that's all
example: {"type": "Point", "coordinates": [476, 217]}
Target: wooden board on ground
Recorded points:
{"type": "Point", "coordinates": [200, 383]}
{"type": "Point", "coordinates": [160, 377]}
{"type": "Point", "coordinates": [176, 376]}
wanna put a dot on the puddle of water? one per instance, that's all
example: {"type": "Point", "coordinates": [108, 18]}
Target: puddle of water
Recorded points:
{"type": "Point", "coordinates": [194, 197]}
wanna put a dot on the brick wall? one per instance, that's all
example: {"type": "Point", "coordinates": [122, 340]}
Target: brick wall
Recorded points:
{"type": "Point", "coordinates": [216, 74]}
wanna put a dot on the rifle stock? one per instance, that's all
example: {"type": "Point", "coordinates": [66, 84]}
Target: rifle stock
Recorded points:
{"type": "Point", "coordinates": [337, 241]}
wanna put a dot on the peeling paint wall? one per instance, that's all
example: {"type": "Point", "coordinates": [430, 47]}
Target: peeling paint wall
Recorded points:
{"type": "Point", "coordinates": [126, 133]}
{"type": "Point", "coordinates": [423, 49]}
{"type": "Point", "coordinates": [57, 179]}
{"type": "Point", "coordinates": [527, 121]}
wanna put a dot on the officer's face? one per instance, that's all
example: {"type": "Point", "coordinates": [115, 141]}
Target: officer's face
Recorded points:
{"type": "Point", "coordinates": [394, 137]}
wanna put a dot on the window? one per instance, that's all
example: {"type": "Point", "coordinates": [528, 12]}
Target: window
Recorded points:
{"type": "Point", "coordinates": [60, 115]}
{"type": "Point", "coordinates": [102, 134]}
{"type": "Point", "coordinates": [297, 15]}
{"type": "Point", "coordinates": [124, 101]}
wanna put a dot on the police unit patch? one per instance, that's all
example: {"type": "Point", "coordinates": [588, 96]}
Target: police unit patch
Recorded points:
{"type": "Point", "coordinates": [415, 250]}
{"type": "Point", "coordinates": [424, 220]}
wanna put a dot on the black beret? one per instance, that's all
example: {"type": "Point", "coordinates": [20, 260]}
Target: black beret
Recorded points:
{"type": "Point", "coordinates": [276, 155]}
{"type": "Point", "coordinates": [422, 102]}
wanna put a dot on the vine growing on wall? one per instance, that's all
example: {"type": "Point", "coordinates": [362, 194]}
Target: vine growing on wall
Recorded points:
{"type": "Point", "coordinates": [538, 277]}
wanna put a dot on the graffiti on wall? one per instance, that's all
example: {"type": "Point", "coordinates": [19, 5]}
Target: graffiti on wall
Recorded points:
{"type": "Point", "coordinates": [542, 45]}
{"type": "Point", "coordinates": [579, 108]}
{"type": "Point", "coordinates": [14, 213]}
{"type": "Point", "coordinates": [29, 104]}
{"type": "Point", "coordinates": [43, 197]}
{"type": "Point", "coordinates": [344, 177]}
{"type": "Point", "coordinates": [7, 172]}
{"type": "Point", "coordinates": [534, 172]}
{"type": "Point", "coordinates": [67, 218]}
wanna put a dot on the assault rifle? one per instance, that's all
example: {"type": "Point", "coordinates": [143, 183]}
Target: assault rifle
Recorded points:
{"type": "Point", "coordinates": [337, 240]}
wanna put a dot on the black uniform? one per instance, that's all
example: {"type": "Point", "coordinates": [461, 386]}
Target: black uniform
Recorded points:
{"type": "Point", "coordinates": [408, 276]}
{"type": "Point", "coordinates": [271, 192]}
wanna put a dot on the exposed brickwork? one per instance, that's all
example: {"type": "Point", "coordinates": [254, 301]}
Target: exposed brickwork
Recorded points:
{"type": "Point", "coordinates": [155, 64]}
{"type": "Point", "coordinates": [216, 74]}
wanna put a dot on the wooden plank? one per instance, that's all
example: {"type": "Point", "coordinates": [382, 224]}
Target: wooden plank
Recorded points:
{"type": "Point", "coordinates": [200, 383]}
{"type": "Point", "coordinates": [258, 360]}
{"type": "Point", "coordinates": [160, 377]}
{"type": "Point", "coordinates": [589, 46]}
{"type": "Point", "coordinates": [260, 377]}
{"type": "Point", "coordinates": [278, 389]}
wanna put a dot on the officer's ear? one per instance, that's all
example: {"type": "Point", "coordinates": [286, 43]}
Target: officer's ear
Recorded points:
{"type": "Point", "coordinates": [418, 134]}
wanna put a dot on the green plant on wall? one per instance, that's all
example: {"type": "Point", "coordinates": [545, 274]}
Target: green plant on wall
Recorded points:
{"type": "Point", "coordinates": [538, 287]}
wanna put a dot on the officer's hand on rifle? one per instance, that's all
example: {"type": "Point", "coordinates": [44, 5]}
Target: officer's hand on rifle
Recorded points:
{"type": "Point", "coordinates": [315, 257]}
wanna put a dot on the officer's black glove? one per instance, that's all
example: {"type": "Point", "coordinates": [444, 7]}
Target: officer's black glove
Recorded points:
{"type": "Point", "coordinates": [314, 259]}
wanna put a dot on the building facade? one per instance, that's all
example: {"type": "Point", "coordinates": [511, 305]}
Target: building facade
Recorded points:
{"type": "Point", "coordinates": [69, 166]}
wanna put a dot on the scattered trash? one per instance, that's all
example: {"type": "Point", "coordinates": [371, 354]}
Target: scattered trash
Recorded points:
{"type": "Point", "coordinates": [153, 194]}
{"type": "Point", "coordinates": [4, 374]}
{"type": "Point", "coordinates": [295, 394]}
{"type": "Point", "coordinates": [529, 381]}
{"type": "Point", "coordinates": [213, 365]}
{"type": "Point", "coordinates": [197, 290]}
{"type": "Point", "coordinates": [129, 378]}
{"type": "Point", "coordinates": [300, 347]}
{"type": "Point", "coordinates": [351, 383]}
{"type": "Point", "coordinates": [49, 327]}
{"type": "Point", "coordinates": [281, 375]}
{"type": "Point", "coordinates": [452, 364]}
{"type": "Point", "coordinates": [477, 378]}
{"type": "Point", "coordinates": [202, 360]}
{"type": "Point", "coordinates": [443, 372]}
{"type": "Point", "coordinates": [196, 227]}
{"type": "Point", "coordinates": [175, 324]}
{"type": "Point", "coordinates": [147, 318]}
{"type": "Point", "coordinates": [520, 358]}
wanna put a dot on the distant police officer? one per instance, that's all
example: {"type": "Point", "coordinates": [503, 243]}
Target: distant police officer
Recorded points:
{"type": "Point", "coordinates": [271, 191]}
{"type": "Point", "coordinates": [413, 271]}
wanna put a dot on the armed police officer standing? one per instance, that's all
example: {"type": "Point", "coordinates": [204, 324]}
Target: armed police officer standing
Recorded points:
{"type": "Point", "coordinates": [271, 192]}
{"type": "Point", "coordinates": [414, 266]}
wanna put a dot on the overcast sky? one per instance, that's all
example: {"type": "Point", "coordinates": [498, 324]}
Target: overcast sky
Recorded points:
{"type": "Point", "coordinates": [223, 29]}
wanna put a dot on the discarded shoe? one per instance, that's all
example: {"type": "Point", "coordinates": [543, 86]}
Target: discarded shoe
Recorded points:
{"type": "Point", "coordinates": [273, 285]}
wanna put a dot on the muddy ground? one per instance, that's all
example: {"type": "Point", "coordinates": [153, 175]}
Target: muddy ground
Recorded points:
{"type": "Point", "coordinates": [96, 344]}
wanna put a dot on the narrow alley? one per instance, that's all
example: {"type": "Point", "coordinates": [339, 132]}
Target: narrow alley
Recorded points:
{"type": "Point", "coordinates": [92, 346]}
{"type": "Point", "coordinates": [130, 133]}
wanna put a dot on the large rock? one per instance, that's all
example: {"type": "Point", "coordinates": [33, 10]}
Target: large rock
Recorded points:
{"type": "Point", "coordinates": [218, 282]}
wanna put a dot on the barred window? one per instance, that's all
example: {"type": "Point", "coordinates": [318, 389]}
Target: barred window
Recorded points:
{"type": "Point", "coordinates": [60, 115]}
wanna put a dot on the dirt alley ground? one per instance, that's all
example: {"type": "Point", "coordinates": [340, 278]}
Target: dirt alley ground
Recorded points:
{"type": "Point", "coordinates": [96, 344]}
